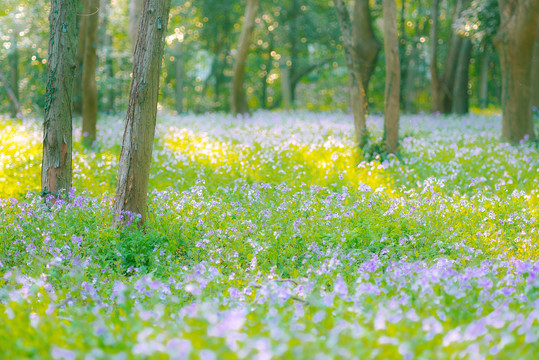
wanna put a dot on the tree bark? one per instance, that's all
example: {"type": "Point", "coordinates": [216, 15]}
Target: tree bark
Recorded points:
{"type": "Point", "coordinates": [238, 103]}
{"type": "Point", "coordinates": [514, 42]}
{"type": "Point", "coordinates": [357, 93]}
{"type": "Point", "coordinates": [135, 10]}
{"type": "Point", "coordinates": [366, 45]}
{"type": "Point", "coordinates": [137, 144]}
{"type": "Point", "coordinates": [79, 58]}
{"type": "Point", "coordinates": [57, 127]}
{"type": "Point", "coordinates": [180, 74]}
{"type": "Point", "coordinates": [393, 77]}
{"type": "Point", "coordinates": [460, 103]}
{"type": "Point", "coordinates": [13, 59]}
{"type": "Point", "coordinates": [483, 78]}
{"type": "Point", "coordinates": [89, 94]}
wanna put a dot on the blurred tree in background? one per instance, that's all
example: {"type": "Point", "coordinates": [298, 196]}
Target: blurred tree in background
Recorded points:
{"type": "Point", "coordinates": [295, 56]}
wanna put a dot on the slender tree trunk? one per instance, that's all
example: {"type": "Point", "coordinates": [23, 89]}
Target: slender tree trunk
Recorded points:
{"type": "Point", "coordinates": [286, 96]}
{"type": "Point", "coordinates": [13, 59]}
{"type": "Point", "coordinates": [514, 42]}
{"type": "Point", "coordinates": [89, 93]}
{"type": "Point", "coordinates": [460, 103]}
{"type": "Point", "coordinates": [436, 87]}
{"type": "Point", "coordinates": [535, 76]}
{"type": "Point", "coordinates": [402, 53]}
{"type": "Point", "coordinates": [293, 35]}
{"type": "Point", "coordinates": [179, 77]}
{"type": "Point", "coordinates": [442, 84]}
{"type": "Point", "coordinates": [106, 42]}
{"type": "Point", "coordinates": [365, 42]}
{"type": "Point", "coordinates": [79, 58]}
{"type": "Point", "coordinates": [238, 103]}
{"type": "Point", "coordinates": [136, 154]}
{"type": "Point", "coordinates": [12, 98]}
{"type": "Point", "coordinates": [267, 70]}
{"type": "Point", "coordinates": [357, 93]}
{"type": "Point", "coordinates": [483, 82]}
{"type": "Point", "coordinates": [393, 77]}
{"type": "Point", "coordinates": [57, 126]}
{"type": "Point", "coordinates": [135, 10]}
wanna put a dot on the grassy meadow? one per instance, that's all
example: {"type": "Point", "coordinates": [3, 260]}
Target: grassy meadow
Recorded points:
{"type": "Point", "coordinates": [270, 237]}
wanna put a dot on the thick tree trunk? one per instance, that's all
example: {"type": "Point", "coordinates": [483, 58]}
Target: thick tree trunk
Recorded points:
{"type": "Point", "coordinates": [57, 126]}
{"type": "Point", "coordinates": [535, 76]}
{"type": "Point", "coordinates": [393, 77]}
{"type": "Point", "coordinates": [514, 42]}
{"type": "Point", "coordinates": [460, 103]}
{"type": "Point", "coordinates": [238, 103]}
{"type": "Point", "coordinates": [365, 42]}
{"type": "Point", "coordinates": [89, 94]}
{"type": "Point", "coordinates": [135, 10]}
{"type": "Point", "coordinates": [180, 74]}
{"type": "Point", "coordinates": [136, 154]}
{"type": "Point", "coordinates": [13, 59]}
{"type": "Point", "coordinates": [483, 78]}
{"type": "Point", "coordinates": [79, 58]}
{"type": "Point", "coordinates": [357, 93]}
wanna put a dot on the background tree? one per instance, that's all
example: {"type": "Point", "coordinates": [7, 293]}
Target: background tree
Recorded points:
{"type": "Point", "coordinates": [515, 42]}
{"type": "Point", "coordinates": [357, 92]}
{"type": "Point", "coordinates": [393, 74]}
{"type": "Point", "coordinates": [89, 94]}
{"type": "Point", "coordinates": [238, 103]}
{"type": "Point", "coordinates": [79, 56]}
{"type": "Point", "coordinates": [57, 127]}
{"type": "Point", "coordinates": [366, 44]}
{"type": "Point", "coordinates": [137, 144]}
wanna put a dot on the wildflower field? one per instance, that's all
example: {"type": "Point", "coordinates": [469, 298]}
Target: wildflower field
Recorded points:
{"type": "Point", "coordinates": [270, 237]}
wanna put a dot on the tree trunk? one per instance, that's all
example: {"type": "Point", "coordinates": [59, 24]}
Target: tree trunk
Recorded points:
{"type": "Point", "coordinates": [483, 78]}
{"type": "Point", "coordinates": [442, 85]}
{"type": "Point", "coordinates": [357, 93]}
{"type": "Point", "coordinates": [79, 58]}
{"type": "Point", "coordinates": [460, 103]}
{"type": "Point", "coordinates": [436, 88]}
{"type": "Point", "coordinates": [12, 98]}
{"type": "Point", "coordinates": [402, 54]}
{"type": "Point", "coordinates": [393, 77]}
{"type": "Point", "coordinates": [179, 77]}
{"type": "Point", "coordinates": [89, 94]}
{"type": "Point", "coordinates": [136, 154]}
{"type": "Point", "coordinates": [57, 126]}
{"type": "Point", "coordinates": [365, 42]}
{"type": "Point", "coordinates": [514, 42]}
{"type": "Point", "coordinates": [135, 10]}
{"type": "Point", "coordinates": [286, 96]}
{"type": "Point", "coordinates": [535, 76]}
{"type": "Point", "coordinates": [293, 35]}
{"type": "Point", "coordinates": [238, 104]}
{"type": "Point", "coordinates": [13, 59]}
{"type": "Point", "coordinates": [106, 41]}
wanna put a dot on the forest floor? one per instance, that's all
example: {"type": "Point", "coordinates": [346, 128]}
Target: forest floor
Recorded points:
{"type": "Point", "coordinates": [266, 239]}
